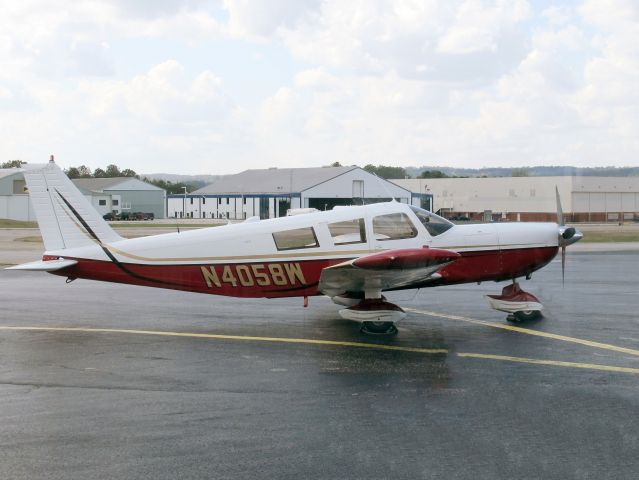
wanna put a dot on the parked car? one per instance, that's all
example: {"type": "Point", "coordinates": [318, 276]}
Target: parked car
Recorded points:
{"type": "Point", "coordinates": [110, 216]}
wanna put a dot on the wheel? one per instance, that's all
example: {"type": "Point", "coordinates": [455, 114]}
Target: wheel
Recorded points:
{"type": "Point", "coordinates": [379, 328]}
{"type": "Point", "coordinates": [526, 315]}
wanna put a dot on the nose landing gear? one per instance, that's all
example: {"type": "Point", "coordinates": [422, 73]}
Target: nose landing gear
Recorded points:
{"type": "Point", "coordinates": [520, 305]}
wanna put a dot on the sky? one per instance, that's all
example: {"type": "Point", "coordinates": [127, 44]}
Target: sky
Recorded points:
{"type": "Point", "coordinates": [216, 87]}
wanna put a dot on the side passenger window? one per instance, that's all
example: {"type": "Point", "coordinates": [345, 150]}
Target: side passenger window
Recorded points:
{"type": "Point", "coordinates": [294, 239]}
{"type": "Point", "coordinates": [394, 226]}
{"type": "Point", "coordinates": [347, 232]}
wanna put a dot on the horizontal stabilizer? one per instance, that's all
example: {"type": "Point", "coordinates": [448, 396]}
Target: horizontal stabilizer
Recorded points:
{"type": "Point", "coordinates": [44, 265]}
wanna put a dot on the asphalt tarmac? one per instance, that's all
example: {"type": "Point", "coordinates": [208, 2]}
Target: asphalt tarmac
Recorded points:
{"type": "Point", "coordinates": [108, 381]}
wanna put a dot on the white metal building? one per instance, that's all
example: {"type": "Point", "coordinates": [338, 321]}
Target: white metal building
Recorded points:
{"type": "Point", "coordinates": [123, 194]}
{"type": "Point", "coordinates": [583, 199]}
{"type": "Point", "coordinates": [14, 199]}
{"type": "Point", "coordinates": [119, 194]}
{"type": "Point", "coordinates": [269, 193]}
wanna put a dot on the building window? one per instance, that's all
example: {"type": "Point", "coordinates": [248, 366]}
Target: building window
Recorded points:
{"type": "Point", "coordinates": [203, 200]}
{"type": "Point", "coordinates": [102, 203]}
{"type": "Point", "coordinates": [115, 202]}
{"type": "Point", "coordinates": [394, 226]}
{"type": "Point", "coordinates": [244, 200]}
{"type": "Point", "coordinates": [295, 239]}
{"type": "Point", "coordinates": [347, 232]}
{"type": "Point", "coordinates": [191, 200]}
{"type": "Point", "coordinates": [19, 186]}
{"type": "Point", "coordinates": [227, 200]}
{"type": "Point", "coordinates": [219, 201]}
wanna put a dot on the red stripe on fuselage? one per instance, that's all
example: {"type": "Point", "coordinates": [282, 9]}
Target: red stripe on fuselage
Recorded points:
{"type": "Point", "coordinates": [296, 278]}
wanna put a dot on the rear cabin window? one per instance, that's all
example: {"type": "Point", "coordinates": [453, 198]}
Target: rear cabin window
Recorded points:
{"type": "Point", "coordinates": [394, 226]}
{"type": "Point", "coordinates": [294, 239]}
{"type": "Point", "coordinates": [347, 232]}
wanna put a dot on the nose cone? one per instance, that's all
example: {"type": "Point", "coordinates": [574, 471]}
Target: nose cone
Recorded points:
{"type": "Point", "coordinates": [569, 235]}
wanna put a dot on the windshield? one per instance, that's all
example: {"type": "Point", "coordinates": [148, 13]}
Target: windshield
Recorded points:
{"type": "Point", "coordinates": [435, 224]}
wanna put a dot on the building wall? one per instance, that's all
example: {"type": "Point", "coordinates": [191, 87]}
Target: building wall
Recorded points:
{"type": "Point", "coordinates": [474, 195]}
{"type": "Point", "coordinates": [533, 198]}
{"type": "Point", "coordinates": [233, 207]}
{"type": "Point", "coordinates": [342, 187]}
{"type": "Point", "coordinates": [16, 207]}
{"type": "Point", "coordinates": [95, 200]}
{"type": "Point", "coordinates": [147, 201]}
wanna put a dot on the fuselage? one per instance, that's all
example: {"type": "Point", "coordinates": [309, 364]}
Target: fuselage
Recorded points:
{"type": "Point", "coordinates": [285, 256]}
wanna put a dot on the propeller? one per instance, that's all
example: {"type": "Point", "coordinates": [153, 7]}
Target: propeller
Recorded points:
{"type": "Point", "coordinates": [561, 223]}
{"type": "Point", "coordinates": [567, 235]}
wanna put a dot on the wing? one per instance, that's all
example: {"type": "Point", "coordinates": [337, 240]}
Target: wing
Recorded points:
{"type": "Point", "coordinates": [385, 270]}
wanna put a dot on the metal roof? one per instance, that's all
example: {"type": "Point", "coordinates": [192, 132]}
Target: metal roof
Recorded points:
{"type": "Point", "coordinates": [99, 185]}
{"type": "Point", "coordinates": [273, 180]}
{"type": "Point", "coordinates": [6, 172]}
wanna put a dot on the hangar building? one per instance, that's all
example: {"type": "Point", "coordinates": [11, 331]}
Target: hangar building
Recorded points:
{"type": "Point", "coordinates": [119, 194]}
{"type": "Point", "coordinates": [14, 200]}
{"type": "Point", "coordinates": [269, 193]}
{"type": "Point", "coordinates": [584, 199]}
{"type": "Point", "coordinates": [123, 194]}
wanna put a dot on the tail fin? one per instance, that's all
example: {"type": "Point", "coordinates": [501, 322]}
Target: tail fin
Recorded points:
{"type": "Point", "coordinates": [65, 217]}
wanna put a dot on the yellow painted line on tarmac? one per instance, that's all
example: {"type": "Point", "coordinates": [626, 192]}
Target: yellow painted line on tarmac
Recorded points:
{"type": "Point", "coordinates": [587, 366]}
{"type": "Point", "coordinates": [528, 331]}
{"type": "Point", "coordinates": [229, 337]}
{"type": "Point", "coordinates": [556, 363]}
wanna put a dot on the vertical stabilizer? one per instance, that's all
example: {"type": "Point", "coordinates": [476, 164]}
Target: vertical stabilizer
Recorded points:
{"type": "Point", "coordinates": [65, 216]}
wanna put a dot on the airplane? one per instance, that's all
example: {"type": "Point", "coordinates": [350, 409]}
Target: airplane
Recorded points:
{"type": "Point", "coordinates": [351, 254]}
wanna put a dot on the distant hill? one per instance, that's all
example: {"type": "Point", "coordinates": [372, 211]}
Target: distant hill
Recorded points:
{"type": "Point", "coordinates": [175, 178]}
{"type": "Point", "coordinates": [540, 171]}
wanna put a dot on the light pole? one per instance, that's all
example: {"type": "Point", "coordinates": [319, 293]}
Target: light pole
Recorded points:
{"type": "Point", "coordinates": [184, 203]}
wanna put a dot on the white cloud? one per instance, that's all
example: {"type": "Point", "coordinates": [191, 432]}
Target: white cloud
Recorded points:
{"type": "Point", "coordinates": [478, 27]}
{"type": "Point", "coordinates": [249, 18]}
{"type": "Point", "coordinates": [404, 82]}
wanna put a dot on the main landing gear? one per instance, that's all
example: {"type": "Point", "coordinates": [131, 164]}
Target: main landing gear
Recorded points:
{"type": "Point", "coordinates": [377, 316]}
{"type": "Point", "coordinates": [520, 305]}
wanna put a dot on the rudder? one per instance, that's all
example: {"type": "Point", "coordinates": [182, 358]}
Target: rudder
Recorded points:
{"type": "Point", "coordinates": [65, 217]}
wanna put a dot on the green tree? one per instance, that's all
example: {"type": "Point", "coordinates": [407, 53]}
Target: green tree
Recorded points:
{"type": "Point", "coordinates": [99, 173]}
{"type": "Point", "coordinates": [520, 172]}
{"type": "Point", "coordinates": [112, 171]}
{"type": "Point", "coordinates": [432, 174]}
{"type": "Point", "coordinates": [127, 172]}
{"type": "Point", "coordinates": [84, 172]}
{"type": "Point", "coordinates": [72, 172]}
{"type": "Point", "coordinates": [13, 164]}
{"type": "Point", "coordinates": [384, 171]}
{"type": "Point", "coordinates": [173, 188]}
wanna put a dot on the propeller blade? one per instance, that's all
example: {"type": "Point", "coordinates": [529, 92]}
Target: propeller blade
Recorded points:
{"type": "Point", "coordinates": [560, 212]}
{"type": "Point", "coordinates": [563, 266]}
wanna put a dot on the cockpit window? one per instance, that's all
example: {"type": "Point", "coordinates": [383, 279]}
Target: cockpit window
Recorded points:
{"type": "Point", "coordinates": [435, 224]}
{"type": "Point", "coordinates": [393, 226]}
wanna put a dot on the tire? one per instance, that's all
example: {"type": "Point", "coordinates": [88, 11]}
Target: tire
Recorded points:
{"type": "Point", "coordinates": [527, 315]}
{"type": "Point", "coordinates": [379, 328]}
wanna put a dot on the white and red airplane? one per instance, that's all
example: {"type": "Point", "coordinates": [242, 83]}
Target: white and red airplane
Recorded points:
{"type": "Point", "coordinates": [351, 254]}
